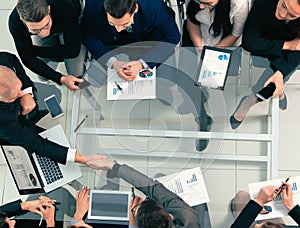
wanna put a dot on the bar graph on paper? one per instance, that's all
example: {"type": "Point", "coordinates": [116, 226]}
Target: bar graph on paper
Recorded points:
{"type": "Point", "coordinates": [188, 184]}
{"type": "Point", "coordinates": [276, 205]}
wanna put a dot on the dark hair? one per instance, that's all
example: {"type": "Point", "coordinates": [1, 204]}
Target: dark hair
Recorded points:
{"type": "Point", "coordinates": [271, 225]}
{"type": "Point", "coordinates": [32, 10]}
{"type": "Point", "coordinates": [221, 19]}
{"type": "Point", "coordinates": [152, 214]}
{"type": "Point", "coordinates": [118, 8]}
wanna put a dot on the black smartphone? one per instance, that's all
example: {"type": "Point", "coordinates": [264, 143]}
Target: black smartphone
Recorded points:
{"type": "Point", "coordinates": [266, 92]}
{"type": "Point", "coordinates": [53, 106]}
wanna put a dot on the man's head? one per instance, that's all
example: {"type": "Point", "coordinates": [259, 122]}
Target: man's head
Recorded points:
{"type": "Point", "coordinates": [35, 14]}
{"type": "Point", "coordinates": [10, 85]}
{"type": "Point", "coordinates": [151, 213]}
{"type": "Point", "coordinates": [268, 225]}
{"type": "Point", "coordinates": [288, 9]}
{"type": "Point", "coordinates": [120, 13]}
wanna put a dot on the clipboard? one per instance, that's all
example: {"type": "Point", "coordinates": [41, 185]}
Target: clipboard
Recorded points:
{"type": "Point", "coordinates": [213, 68]}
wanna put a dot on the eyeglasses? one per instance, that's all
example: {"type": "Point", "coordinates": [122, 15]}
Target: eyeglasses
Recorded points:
{"type": "Point", "coordinates": [46, 27]}
{"type": "Point", "coordinates": [206, 4]}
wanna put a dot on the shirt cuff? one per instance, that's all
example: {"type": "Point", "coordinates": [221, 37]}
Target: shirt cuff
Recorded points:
{"type": "Point", "coordinates": [111, 61]}
{"type": "Point", "coordinates": [145, 65]}
{"type": "Point", "coordinates": [71, 155]}
{"type": "Point", "coordinates": [132, 226]}
{"type": "Point", "coordinates": [27, 91]}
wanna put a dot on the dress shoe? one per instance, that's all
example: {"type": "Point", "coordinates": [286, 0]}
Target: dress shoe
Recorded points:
{"type": "Point", "coordinates": [233, 121]}
{"type": "Point", "coordinates": [283, 103]}
{"type": "Point", "coordinates": [201, 144]}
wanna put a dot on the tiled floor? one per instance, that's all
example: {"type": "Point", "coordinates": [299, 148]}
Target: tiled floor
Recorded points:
{"type": "Point", "coordinates": [223, 178]}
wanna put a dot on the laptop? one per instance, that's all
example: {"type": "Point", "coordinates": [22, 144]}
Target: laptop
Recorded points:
{"type": "Point", "coordinates": [213, 68]}
{"type": "Point", "coordinates": [109, 205]}
{"type": "Point", "coordinates": [35, 174]}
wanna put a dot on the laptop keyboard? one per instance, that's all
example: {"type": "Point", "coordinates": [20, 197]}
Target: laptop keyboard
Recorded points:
{"type": "Point", "coordinates": [50, 169]}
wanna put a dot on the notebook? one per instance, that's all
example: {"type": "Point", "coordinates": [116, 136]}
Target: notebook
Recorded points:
{"type": "Point", "coordinates": [213, 67]}
{"type": "Point", "coordinates": [35, 174]}
{"type": "Point", "coordinates": [109, 205]}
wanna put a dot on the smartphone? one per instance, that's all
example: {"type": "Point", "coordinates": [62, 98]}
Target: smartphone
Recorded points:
{"type": "Point", "coordinates": [266, 92]}
{"type": "Point", "coordinates": [53, 106]}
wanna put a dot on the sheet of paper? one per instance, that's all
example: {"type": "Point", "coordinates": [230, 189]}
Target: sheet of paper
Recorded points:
{"type": "Point", "coordinates": [143, 87]}
{"type": "Point", "coordinates": [276, 205]}
{"type": "Point", "coordinates": [188, 184]}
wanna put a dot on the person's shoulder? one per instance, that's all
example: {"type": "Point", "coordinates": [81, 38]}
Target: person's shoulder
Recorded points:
{"type": "Point", "coordinates": [14, 16]}
{"type": "Point", "coordinates": [7, 58]}
{"type": "Point", "coordinates": [150, 4]}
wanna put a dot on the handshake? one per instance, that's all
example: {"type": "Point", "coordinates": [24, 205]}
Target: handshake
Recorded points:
{"type": "Point", "coordinates": [98, 162]}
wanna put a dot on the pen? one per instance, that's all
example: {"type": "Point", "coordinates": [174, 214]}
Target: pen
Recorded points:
{"type": "Point", "coordinates": [81, 122]}
{"type": "Point", "coordinates": [119, 87]}
{"type": "Point", "coordinates": [41, 220]}
{"type": "Point", "coordinates": [282, 186]}
{"type": "Point", "coordinates": [132, 193]}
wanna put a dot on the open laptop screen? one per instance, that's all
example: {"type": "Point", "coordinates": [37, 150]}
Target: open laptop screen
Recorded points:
{"type": "Point", "coordinates": [109, 205]}
{"type": "Point", "coordinates": [21, 167]}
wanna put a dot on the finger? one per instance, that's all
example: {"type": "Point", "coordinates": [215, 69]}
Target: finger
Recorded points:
{"type": "Point", "coordinates": [268, 82]}
{"type": "Point", "coordinates": [78, 79]}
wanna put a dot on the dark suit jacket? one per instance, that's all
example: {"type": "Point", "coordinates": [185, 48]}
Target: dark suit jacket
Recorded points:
{"type": "Point", "coordinates": [154, 21]}
{"type": "Point", "coordinates": [264, 35]}
{"type": "Point", "coordinates": [184, 215]}
{"type": "Point", "coordinates": [16, 132]}
{"type": "Point", "coordinates": [12, 208]}
{"type": "Point", "coordinates": [252, 209]}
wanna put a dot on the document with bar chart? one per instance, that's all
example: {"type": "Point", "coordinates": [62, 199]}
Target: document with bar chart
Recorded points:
{"type": "Point", "coordinates": [188, 184]}
{"type": "Point", "coordinates": [275, 208]}
{"type": "Point", "coordinates": [143, 87]}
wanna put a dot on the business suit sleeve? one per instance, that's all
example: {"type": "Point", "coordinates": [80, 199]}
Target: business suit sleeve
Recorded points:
{"type": "Point", "coordinates": [183, 214]}
{"type": "Point", "coordinates": [167, 35]}
{"type": "Point", "coordinates": [12, 208]}
{"type": "Point", "coordinates": [17, 133]}
{"type": "Point", "coordinates": [247, 216]}
{"type": "Point", "coordinates": [295, 214]}
{"type": "Point", "coordinates": [92, 30]}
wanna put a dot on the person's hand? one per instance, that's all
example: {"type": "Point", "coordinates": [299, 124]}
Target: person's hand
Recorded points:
{"type": "Point", "coordinates": [88, 159]}
{"type": "Point", "coordinates": [132, 68]}
{"type": "Point", "coordinates": [101, 164]}
{"type": "Point", "coordinates": [11, 222]}
{"type": "Point", "coordinates": [82, 203]}
{"type": "Point", "coordinates": [69, 81]}
{"type": "Point", "coordinates": [293, 45]}
{"type": "Point", "coordinates": [48, 212]}
{"type": "Point", "coordinates": [136, 200]}
{"type": "Point", "coordinates": [266, 194]}
{"type": "Point", "coordinates": [287, 196]}
{"type": "Point", "coordinates": [27, 103]}
{"type": "Point", "coordinates": [119, 68]}
{"type": "Point", "coordinates": [277, 79]}
{"type": "Point", "coordinates": [34, 205]}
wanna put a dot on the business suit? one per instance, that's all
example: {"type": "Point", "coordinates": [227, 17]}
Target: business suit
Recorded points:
{"type": "Point", "coordinates": [184, 215]}
{"type": "Point", "coordinates": [154, 21]}
{"type": "Point", "coordinates": [14, 129]}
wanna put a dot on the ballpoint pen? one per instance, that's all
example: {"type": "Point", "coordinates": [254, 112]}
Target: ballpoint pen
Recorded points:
{"type": "Point", "coordinates": [41, 220]}
{"type": "Point", "coordinates": [132, 193]}
{"type": "Point", "coordinates": [81, 122]}
{"type": "Point", "coordinates": [281, 187]}
{"type": "Point", "coordinates": [119, 87]}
